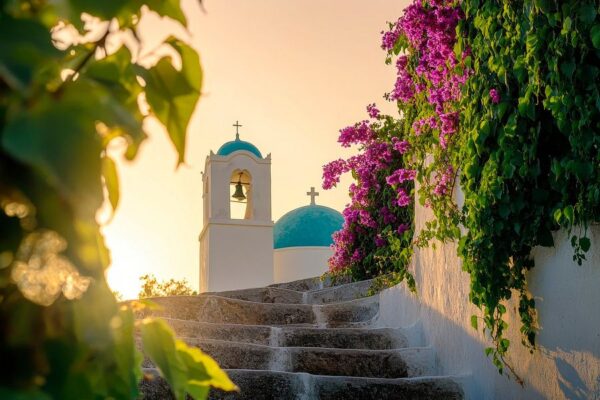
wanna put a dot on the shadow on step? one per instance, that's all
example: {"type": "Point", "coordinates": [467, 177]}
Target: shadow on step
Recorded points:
{"type": "Point", "coordinates": [269, 385]}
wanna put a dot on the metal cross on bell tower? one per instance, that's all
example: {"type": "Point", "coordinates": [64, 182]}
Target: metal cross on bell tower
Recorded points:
{"type": "Point", "coordinates": [237, 130]}
{"type": "Point", "coordinates": [312, 195]}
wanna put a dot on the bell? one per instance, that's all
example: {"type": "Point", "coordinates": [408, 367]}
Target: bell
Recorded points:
{"type": "Point", "coordinates": [239, 192]}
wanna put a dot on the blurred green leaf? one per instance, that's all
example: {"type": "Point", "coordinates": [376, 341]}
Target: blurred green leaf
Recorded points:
{"type": "Point", "coordinates": [168, 8]}
{"type": "Point", "coordinates": [51, 137]}
{"type": "Point", "coordinates": [595, 35]}
{"type": "Point", "coordinates": [187, 370]}
{"type": "Point", "coordinates": [111, 180]}
{"type": "Point", "coordinates": [585, 243]}
{"type": "Point", "coordinates": [25, 49]}
{"type": "Point", "coordinates": [173, 95]}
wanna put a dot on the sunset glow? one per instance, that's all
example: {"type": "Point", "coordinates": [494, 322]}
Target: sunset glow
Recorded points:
{"type": "Point", "coordinates": [291, 85]}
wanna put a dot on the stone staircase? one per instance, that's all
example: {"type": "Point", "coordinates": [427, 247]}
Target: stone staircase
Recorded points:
{"type": "Point", "coordinates": [303, 340]}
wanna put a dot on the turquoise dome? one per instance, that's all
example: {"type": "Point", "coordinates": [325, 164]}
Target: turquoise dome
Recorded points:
{"type": "Point", "coordinates": [237, 145]}
{"type": "Point", "coordinates": [311, 225]}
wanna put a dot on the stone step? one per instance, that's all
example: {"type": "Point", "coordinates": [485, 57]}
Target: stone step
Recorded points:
{"type": "Point", "coordinates": [270, 385]}
{"type": "Point", "coordinates": [316, 283]}
{"type": "Point", "coordinates": [343, 338]}
{"type": "Point", "coordinates": [216, 309]}
{"type": "Point", "coordinates": [262, 295]}
{"type": "Point", "coordinates": [349, 291]}
{"type": "Point", "coordinates": [335, 294]}
{"type": "Point", "coordinates": [395, 363]}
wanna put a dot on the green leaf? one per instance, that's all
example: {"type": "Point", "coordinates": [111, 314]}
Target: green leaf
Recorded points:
{"type": "Point", "coordinates": [569, 214]}
{"type": "Point", "coordinates": [585, 243]}
{"type": "Point", "coordinates": [568, 68]}
{"type": "Point", "coordinates": [203, 369]}
{"type": "Point", "coordinates": [51, 137]}
{"type": "Point", "coordinates": [587, 13]}
{"type": "Point", "coordinates": [168, 8]}
{"type": "Point", "coordinates": [128, 359]}
{"type": "Point", "coordinates": [595, 35]}
{"type": "Point", "coordinates": [474, 321]}
{"type": "Point", "coordinates": [159, 345]}
{"type": "Point", "coordinates": [186, 369]}
{"type": "Point", "coordinates": [111, 180]}
{"type": "Point", "coordinates": [117, 75]}
{"type": "Point", "coordinates": [173, 94]}
{"type": "Point", "coordinates": [25, 49]}
{"type": "Point", "coordinates": [583, 170]}
{"type": "Point", "coordinates": [105, 9]}
{"type": "Point", "coordinates": [567, 23]}
{"type": "Point", "coordinates": [558, 214]}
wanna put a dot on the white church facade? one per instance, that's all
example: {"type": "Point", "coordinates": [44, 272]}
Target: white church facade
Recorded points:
{"type": "Point", "coordinates": [240, 246]}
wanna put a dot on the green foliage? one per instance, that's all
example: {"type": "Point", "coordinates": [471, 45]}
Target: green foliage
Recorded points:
{"type": "Point", "coordinates": [60, 107]}
{"type": "Point", "coordinates": [151, 287]}
{"type": "Point", "coordinates": [530, 162]}
{"type": "Point", "coordinates": [186, 369]}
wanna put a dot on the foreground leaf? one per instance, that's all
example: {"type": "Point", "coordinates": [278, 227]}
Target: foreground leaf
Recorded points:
{"type": "Point", "coordinates": [187, 370]}
{"type": "Point", "coordinates": [172, 95]}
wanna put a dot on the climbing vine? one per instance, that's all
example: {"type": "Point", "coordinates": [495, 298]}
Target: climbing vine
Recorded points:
{"type": "Point", "coordinates": [503, 98]}
{"type": "Point", "coordinates": [529, 155]}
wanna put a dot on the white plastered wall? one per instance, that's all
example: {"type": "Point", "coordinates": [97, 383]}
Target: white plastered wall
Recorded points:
{"type": "Point", "coordinates": [566, 364]}
{"type": "Point", "coordinates": [240, 256]}
{"type": "Point", "coordinates": [292, 263]}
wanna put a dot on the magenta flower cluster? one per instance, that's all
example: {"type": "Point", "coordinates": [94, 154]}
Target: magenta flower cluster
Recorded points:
{"type": "Point", "coordinates": [445, 182]}
{"type": "Point", "coordinates": [430, 74]}
{"type": "Point", "coordinates": [374, 171]}
{"type": "Point", "coordinates": [494, 96]}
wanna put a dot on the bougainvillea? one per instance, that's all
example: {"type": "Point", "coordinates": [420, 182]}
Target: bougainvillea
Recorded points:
{"type": "Point", "coordinates": [430, 77]}
{"type": "Point", "coordinates": [377, 232]}
{"type": "Point", "coordinates": [504, 95]}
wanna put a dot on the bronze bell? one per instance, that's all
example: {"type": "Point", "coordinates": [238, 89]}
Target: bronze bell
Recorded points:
{"type": "Point", "coordinates": [239, 192]}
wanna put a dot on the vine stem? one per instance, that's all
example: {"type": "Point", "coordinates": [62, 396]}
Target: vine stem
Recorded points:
{"type": "Point", "coordinates": [97, 44]}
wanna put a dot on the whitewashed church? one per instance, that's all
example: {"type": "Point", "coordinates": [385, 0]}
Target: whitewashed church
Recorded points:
{"type": "Point", "coordinates": [240, 246]}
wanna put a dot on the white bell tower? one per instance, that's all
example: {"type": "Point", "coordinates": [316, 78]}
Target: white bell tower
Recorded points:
{"type": "Point", "coordinates": [236, 242]}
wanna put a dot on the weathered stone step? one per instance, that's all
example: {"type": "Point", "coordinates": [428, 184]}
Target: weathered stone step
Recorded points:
{"type": "Point", "coordinates": [315, 283]}
{"type": "Point", "coordinates": [396, 363]}
{"type": "Point", "coordinates": [346, 292]}
{"type": "Point", "coordinates": [216, 309]}
{"type": "Point", "coordinates": [349, 291]}
{"type": "Point", "coordinates": [263, 295]}
{"type": "Point", "coordinates": [343, 338]}
{"type": "Point", "coordinates": [270, 385]}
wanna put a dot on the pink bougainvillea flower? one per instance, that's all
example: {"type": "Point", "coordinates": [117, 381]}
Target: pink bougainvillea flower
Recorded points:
{"type": "Point", "coordinates": [495, 96]}
{"type": "Point", "coordinates": [373, 110]}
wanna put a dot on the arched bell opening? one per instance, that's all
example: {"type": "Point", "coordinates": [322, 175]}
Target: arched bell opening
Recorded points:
{"type": "Point", "coordinates": [240, 195]}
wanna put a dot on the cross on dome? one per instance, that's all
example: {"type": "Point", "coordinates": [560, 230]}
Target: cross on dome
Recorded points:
{"type": "Point", "coordinates": [237, 130]}
{"type": "Point", "coordinates": [312, 195]}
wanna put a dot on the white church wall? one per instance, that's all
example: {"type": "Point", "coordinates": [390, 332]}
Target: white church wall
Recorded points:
{"type": "Point", "coordinates": [240, 254]}
{"type": "Point", "coordinates": [292, 263]}
{"type": "Point", "coordinates": [566, 364]}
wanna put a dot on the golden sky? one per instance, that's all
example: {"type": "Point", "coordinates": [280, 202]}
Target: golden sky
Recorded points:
{"type": "Point", "coordinates": [293, 72]}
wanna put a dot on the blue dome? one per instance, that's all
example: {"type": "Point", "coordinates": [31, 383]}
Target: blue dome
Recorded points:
{"type": "Point", "coordinates": [307, 226]}
{"type": "Point", "coordinates": [237, 145]}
